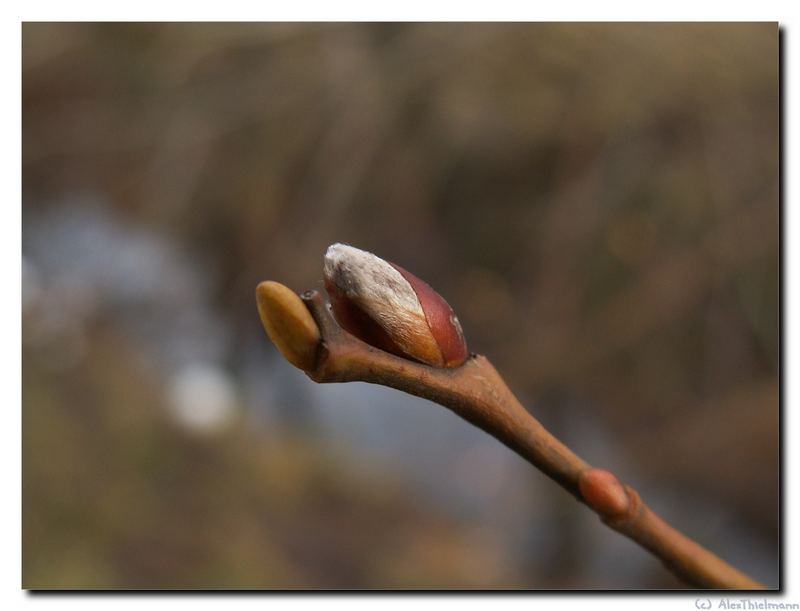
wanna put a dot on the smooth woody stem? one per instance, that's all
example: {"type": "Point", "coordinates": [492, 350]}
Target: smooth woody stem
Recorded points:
{"type": "Point", "coordinates": [686, 558]}
{"type": "Point", "coordinates": [476, 392]}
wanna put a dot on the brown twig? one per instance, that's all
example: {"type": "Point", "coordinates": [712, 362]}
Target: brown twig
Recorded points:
{"type": "Point", "coordinates": [477, 393]}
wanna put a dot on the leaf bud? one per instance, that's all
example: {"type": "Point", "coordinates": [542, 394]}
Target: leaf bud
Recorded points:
{"type": "Point", "coordinates": [604, 493]}
{"type": "Point", "coordinates": [288, 323]}
{"type": "Point", "coordinates": [390, 308]}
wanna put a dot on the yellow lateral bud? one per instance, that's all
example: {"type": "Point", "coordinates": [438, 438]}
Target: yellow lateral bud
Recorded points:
{"type": "Point", "coordinates": [288, 323]}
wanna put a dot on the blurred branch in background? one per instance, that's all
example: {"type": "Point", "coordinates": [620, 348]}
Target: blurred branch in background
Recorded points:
{"type": "Point", "coordinates": [604, 195]}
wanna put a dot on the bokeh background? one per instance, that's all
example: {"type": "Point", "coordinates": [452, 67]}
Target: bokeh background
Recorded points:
{"type": "Point", "coordinates": [599, 204]}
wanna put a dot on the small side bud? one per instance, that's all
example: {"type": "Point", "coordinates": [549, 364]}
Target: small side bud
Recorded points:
{"type": "Point", "coordinates": [390, 308]}
{"type": "Point", "coordinates": [288, 323]}
{"type": "Point", "coordinates": [604, 493]}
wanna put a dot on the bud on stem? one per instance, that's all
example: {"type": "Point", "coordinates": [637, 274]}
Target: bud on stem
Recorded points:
{"type": "Point", "coordinates": [604, 493]}
{"type": "Point", "coordinates": [388, 307]}
{"type": "Point", "coordinates": [288, 323]}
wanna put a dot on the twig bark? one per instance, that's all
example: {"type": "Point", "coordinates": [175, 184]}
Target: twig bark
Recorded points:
{"type": "Point", "coordinates": [476, 392]}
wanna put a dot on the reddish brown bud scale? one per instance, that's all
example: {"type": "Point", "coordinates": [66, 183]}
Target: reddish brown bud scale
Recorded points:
{"type": "Point", "coordinates": [604, 493]}
{"type": "Point", "coordinates": [441, 319]}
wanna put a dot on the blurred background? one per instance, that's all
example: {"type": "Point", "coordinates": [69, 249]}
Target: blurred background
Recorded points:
{"type": "Point", "coordinates": [598, 203]}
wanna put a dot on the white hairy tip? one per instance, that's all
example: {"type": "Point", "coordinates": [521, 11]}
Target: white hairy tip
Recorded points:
{"type": "Point", "coordinates": [370, 281]}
